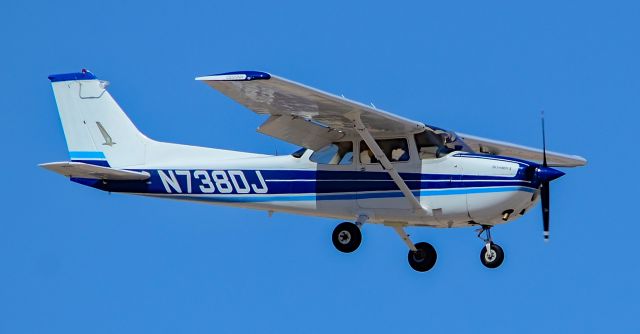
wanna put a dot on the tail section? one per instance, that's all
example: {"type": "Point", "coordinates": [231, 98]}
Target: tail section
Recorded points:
{"type": "Point", "coordinates": [97, 130]}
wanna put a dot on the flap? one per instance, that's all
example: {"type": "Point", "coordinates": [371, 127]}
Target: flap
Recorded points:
{"type": "Point", "coordinates": [300, 132]}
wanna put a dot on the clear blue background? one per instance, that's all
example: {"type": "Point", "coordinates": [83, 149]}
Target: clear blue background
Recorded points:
{"type": "Point", "coordinates": [76, 260]}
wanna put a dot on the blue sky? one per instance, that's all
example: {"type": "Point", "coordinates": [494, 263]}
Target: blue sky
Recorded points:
{"type": "Point", "coordinates": [76, 260]}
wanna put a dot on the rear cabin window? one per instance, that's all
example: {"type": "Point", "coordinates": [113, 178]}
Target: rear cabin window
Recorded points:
{"type": "Point", "coordinates": [340, 153]}
{"type": "Point", "coordinates": [396, 150]}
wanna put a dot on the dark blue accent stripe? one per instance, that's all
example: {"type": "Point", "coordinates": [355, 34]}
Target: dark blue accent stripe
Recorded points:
{"type": "Point", "coordinates": [251, 75]}
{"type": "Point", "coordinates": [85, 75]}
{"type": "Point", "coordinates": [103, 163]}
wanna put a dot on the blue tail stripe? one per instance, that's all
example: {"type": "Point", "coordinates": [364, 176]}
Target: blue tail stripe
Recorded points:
{"type": "Point", "coordinates": [102, 163]}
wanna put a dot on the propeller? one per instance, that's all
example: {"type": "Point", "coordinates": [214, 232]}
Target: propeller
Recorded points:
{"type": "Point", "coordinates": [545, 175]}
{"type": "Point", "coordinates": [544, 191]}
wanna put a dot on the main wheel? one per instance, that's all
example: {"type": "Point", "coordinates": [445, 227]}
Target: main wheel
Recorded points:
{"type": "Point", "coordinates": [346, 237]}
{"type": "Point", "coordinates": [424, 258]}
{"type": "Point", "coordinates": [492, 258]}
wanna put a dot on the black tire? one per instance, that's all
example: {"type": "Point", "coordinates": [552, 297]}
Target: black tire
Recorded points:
{"type": "Point", "coordinates": [424, 258]}
{"type": "Point", "coordinates": [346, 237]}
{"type": "Point", "coordinates": [494, 259]}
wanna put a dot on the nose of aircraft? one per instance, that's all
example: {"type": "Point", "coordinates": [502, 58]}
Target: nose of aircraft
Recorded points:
{"type": "Point", "coordinates": [547, 174]}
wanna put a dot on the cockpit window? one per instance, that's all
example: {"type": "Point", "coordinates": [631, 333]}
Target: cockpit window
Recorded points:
{"type": "Point", "coordinates": [340, 153]}
{"type": "Point", "coordinates": [299, 153]}
{"type": "Point", "coordinates": [431, 145]}
{"type": "Point", "coordinates": [395, 149]}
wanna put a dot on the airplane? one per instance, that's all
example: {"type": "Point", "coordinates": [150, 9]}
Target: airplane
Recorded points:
{"type": "Point", "coordinates": [357, 163]}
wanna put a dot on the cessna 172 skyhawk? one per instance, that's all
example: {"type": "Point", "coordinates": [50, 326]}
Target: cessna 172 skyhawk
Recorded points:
{"type": "Point", "coordinates": [357, 163]}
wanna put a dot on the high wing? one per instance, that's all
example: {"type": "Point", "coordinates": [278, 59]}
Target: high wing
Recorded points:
{"type": "Point", "coordinates": [311, 118]}
{"type": "Point", "coordinates": [495, 147]}
{"type": "Point", "coordinates": [303, 115]}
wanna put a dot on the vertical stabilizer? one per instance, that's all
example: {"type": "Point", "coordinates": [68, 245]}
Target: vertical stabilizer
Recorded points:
{"type": "Point", "coordinates": [96, 129]}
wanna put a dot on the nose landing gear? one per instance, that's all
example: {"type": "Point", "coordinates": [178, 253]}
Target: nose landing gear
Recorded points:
{"type": "Point", "coordinates": [491, 254]}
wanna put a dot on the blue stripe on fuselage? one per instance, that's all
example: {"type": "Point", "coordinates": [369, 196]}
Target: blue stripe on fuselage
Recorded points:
{"type": "Point", "coordinates": [281, 182]}
{"type": "Point", "coordinates": [333, 197]}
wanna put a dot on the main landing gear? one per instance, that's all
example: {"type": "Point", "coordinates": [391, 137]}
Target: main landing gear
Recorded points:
{"type": "Point", "coordinates": [491, 254]}
{"type": "Point", "coordinates": [422, 256]}
{"type": "Point", "coordinates": [346, 237]}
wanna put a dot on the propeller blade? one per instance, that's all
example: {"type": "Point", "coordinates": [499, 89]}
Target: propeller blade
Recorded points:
{"type": "Point", "coordinates": [545, 186]}
{"type": "Point", "coordinates": [544, 194]}
{"type": "Point", "coordinates": [544, 142]}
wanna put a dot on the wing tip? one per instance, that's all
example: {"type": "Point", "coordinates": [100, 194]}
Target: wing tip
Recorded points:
{"type": "Point", "coordinates": [236, 76]}
{"type": "Point", "coordinates": [580, 161]}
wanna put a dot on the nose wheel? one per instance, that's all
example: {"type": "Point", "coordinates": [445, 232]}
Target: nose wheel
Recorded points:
{"type": "Point", "coordinates": [491, 254]}
{"type": "Point", "coordinates": [346, 237]}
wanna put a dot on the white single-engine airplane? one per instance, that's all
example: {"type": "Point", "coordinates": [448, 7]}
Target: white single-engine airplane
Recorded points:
{"type": "Point", "coordinates": [357, 163]}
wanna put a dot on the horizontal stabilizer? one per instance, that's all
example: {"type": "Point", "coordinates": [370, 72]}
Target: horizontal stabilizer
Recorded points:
{"type": "Point", "coordinates": [88, 171]}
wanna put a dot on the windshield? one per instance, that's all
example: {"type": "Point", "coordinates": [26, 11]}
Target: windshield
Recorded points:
{"type": "Point", "coordinates": [298, 153]}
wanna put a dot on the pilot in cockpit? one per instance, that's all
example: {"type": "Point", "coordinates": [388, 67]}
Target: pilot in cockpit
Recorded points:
{"type": "Point", "coordinates": [400, 153]}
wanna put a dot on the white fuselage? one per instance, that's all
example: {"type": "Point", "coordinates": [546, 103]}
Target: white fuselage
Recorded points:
{"type": "Point", "coordinates": [457, 190]}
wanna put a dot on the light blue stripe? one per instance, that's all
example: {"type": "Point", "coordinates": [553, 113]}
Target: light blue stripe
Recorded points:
{"type": "Point", "coordinates": [333, 197]}
{"type": "Point", "coordinates": [86, 155]}
{"type": "Point", "coordinates": [497, 190]}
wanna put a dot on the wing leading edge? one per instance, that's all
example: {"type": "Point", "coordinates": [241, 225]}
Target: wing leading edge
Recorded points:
{"type": "Point", "coordinates": [326, 117]}
{"type": "Point", "coordinates": [312, 118]}
{"type": "Point", "coordinates": [496, 147]}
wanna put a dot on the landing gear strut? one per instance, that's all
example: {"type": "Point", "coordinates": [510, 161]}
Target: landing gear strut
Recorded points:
{"type": "Point", "coordinates": [491, 254]}
{"type": "Point", "coordinates": [346, 237]}
{"type": "Point", "coordinates": [422, 256]}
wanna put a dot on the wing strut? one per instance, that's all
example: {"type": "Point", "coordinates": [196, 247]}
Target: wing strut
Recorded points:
{"type": "Point", "coordinates": [386, 164]}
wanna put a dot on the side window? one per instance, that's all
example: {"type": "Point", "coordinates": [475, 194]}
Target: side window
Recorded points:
{"type": "Point", "coordinates": [334, 154]}
{"type": "Point", "coordinates": [396, 150]}
{"type": "Point", "coordinates": [431, 145]}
